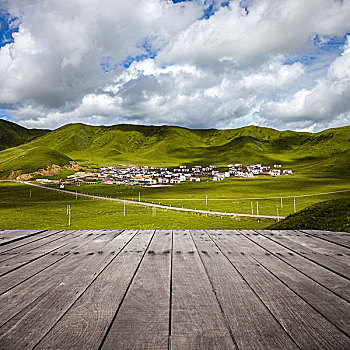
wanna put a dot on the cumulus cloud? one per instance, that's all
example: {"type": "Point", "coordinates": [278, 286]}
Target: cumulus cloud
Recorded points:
{"type": "Point", "coordinates": [57, 52]}
{"type": "Point", "coordinates": [328, 100]}
{"type": "Point", "coordinates": [196, 63]}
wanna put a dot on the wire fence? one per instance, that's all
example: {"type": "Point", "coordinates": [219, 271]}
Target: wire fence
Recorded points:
{"type": "Point", "coordinates": [277, 206]}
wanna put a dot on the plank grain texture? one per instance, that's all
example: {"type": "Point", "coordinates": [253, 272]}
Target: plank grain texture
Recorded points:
{"type": "Point", "coordinates": [340, 238]}
{"type": "Point", "coordinates": [144, 314]}
{"type": "Point", "coordinates": [174, 290]}
{"type": "Point", "coordinates": [197, 319]}
{"type": "Point", "coordinates": [87, 321]}
{"type": "Point", "coordinates": [243, 311]}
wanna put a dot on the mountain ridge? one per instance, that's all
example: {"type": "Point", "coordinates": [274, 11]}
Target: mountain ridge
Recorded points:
{"type": "Point", "coordinates": [12, 134]}
{"type": "Point", "coordinates": [169, 146]}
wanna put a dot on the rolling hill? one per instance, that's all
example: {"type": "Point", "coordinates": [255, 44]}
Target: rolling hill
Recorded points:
{"type": "Point", "coordinates": [12, 135]}
{"type": "Point", "coordinates": [326, 152]}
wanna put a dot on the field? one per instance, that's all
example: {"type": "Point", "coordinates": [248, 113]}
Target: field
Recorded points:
{"type": "Point", "coordinates": [233, 195]}
{"type": "Point", "coordinates": [26, 207]}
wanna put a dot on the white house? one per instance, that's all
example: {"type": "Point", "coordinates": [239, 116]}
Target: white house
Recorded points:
{"type": "Point", "coordinates": [239, 173]}
{"type": "Point", "coordinates": [218, 177]}
{"type": "Point", "coordinates": [195, 179]}
{"type": "Point", "coordinates": [248, 175]}
{"type": "Point", "coordinates": [287, 171]}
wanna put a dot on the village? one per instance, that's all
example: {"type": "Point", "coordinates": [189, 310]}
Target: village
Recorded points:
{"type": "Point", "coordinates": [154, 176]}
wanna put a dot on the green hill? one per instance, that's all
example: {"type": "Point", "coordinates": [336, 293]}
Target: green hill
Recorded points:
{"type": "Point", "coordinates": [333, 215]}
{"type": "Point", "coordinates": [33, 159]}
{"type": "Point", "coordinates": [326, 152]}
{"type": "Point", "coordinates": [12, 135]}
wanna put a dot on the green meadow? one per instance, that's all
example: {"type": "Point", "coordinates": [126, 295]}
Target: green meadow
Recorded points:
{"type": "Point", "coordinates": [234, 195]}
{"type": "Point", "coordinates": [27, 207]}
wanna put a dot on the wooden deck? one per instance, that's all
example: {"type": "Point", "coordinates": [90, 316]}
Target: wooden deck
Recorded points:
{"type": "Point", "coordinates": [174, 289]}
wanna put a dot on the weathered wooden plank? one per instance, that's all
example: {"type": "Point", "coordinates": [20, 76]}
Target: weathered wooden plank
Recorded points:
{"type": "Point", "coordinates": [30, 291]}
{"type": "Point", "coordinates": [18, 276]}
{"type": "Point", "coordinates": [25, 249]}
{"type": "Point", "coordinates": [223, 297]}
{"type": "Point", "coordinates": [308, 328]}
{"type": "Point", "coordinates": [85, 324]}
{"type": "Point", "coordinates": [18, 333]}
{"type": "Point", "coordinates": [334, 308]}
{"type": "Point", "coordinates": [320, 246]}
{"type": "Point", "coordinates": [15, 245]}
{"type": "Point", "coordinates": [144, 313]}
{"type": "Point", "coordinates": [9, 236]}
{"type": "Point", "coordinates": [321, 275]}
{"type": "Point", "coordinates": [329, 262]}
{"type": "Point", "coordinates": [19, 260]}
{"type": "Point", "coordinates": [341, 238]}
{"type": "Point", "coordinates": [251, 323]}
{"type": "Point", "coordinates": [196, 317]}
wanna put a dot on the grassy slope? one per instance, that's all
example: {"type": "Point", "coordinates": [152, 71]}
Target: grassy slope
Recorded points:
{"type": "Point", "coordinates": [332, 215]}
{"type": "Point", "coordinates": [171, 146]}
{"type": "Point", "coordinates": [32, 159]}
{"type": "Point", "coordinates": [12, 135]}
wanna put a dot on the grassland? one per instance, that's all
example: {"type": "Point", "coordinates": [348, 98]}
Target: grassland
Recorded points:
{"type": "Point", "coordinates": [27, 207]}
{"type": "Point", "coordinates": [233, 195]}
{"type": "Point", "coordinates": [332, 215]}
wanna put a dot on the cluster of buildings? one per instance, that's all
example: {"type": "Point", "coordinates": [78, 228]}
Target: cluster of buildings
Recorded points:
{"type": "Point", "coordinates": [153, 176]}
{"type": "Point", "coordinates": [257, 169]}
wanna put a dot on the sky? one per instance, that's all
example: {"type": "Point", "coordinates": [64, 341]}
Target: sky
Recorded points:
{"type": "Point", "coordinates": [221, 64]}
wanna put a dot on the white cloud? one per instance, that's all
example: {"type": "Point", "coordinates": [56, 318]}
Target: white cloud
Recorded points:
{"type": "Point", "coordinates": [225, 71]}
{"type": "Point", "coordinates": [328, 101]}
{"type": "Point", "coordinates": [273, 75]}
{"type": "Point", "coordinates": [57, 52]}
{"type": "Point", "coordinates": [270, 28]}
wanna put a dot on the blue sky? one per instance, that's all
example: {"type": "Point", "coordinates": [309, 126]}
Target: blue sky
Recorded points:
{"type": "Point", "coordinates": [200, 63]}
{"type": "Point", "coordinates": [8, 26]}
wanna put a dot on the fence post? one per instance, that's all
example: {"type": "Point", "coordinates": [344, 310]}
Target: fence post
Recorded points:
{"type": "Point", "coordinates": [294, 205]}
